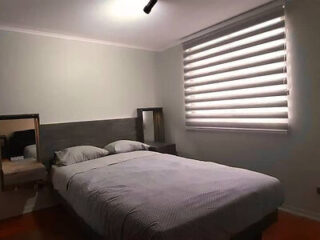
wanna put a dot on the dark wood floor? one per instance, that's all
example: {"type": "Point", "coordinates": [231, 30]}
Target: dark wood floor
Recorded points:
{"type": "Point", "coordinates": [290, 227]}
{"type": "Point", "coordinates": [49, 224]}
{"type": "Point", "coordinates": [55, 223]}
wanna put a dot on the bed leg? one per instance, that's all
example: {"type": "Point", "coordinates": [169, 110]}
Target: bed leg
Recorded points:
{"type": "Point", "coordinates": [258, 237]}
{"type": "Point", "coordinates": [252, 236]}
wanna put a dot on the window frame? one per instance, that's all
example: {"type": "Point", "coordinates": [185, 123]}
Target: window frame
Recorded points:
{"type": "Point", "coordinates": [258, 15]}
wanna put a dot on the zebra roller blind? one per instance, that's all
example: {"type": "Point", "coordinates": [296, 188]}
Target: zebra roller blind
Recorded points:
{"type": "Point", "coordinates": [235, 77]}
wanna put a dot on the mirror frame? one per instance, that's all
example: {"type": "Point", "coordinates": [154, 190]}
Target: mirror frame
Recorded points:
{"type": "Point", "coordinates": [158, 123]}
{"type": "Point", "coordinates": [36, 118]}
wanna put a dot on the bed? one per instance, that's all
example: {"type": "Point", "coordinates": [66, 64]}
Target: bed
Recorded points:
{"type": "Point", "coordinates": [144, 195]}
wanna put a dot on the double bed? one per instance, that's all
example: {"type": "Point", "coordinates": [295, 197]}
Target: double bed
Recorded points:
{"type": "Point", "coordinates": [143, 195]}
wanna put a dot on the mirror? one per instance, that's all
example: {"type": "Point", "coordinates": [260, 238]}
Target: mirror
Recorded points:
{"type": "Point", "coordinates": [150, 125]}
{"type": "Point", "coordinates": [19, 145]}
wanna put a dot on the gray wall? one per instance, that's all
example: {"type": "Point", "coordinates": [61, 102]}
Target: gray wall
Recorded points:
{"type": "Point", "coordinates": [67, 80]}
{"type": "Point", "coordinates": [293, 158]}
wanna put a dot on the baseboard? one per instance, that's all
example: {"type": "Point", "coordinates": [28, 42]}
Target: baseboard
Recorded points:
{"type": "Point", "coordinates": [301, 212]}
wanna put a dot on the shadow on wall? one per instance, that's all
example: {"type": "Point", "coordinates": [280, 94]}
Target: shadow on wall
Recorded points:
{"type": "Point", "coordinates": [18, 202]}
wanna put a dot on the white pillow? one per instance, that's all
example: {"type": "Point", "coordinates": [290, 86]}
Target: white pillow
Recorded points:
{"type": "Point", "coordinates": [123, 146]}
{"type": "Point", "coordinates": [30, 151]}
{"type": "Point", "coordinates": [78, 154]}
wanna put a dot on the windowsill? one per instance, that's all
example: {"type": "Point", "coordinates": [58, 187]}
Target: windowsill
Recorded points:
{"type": "Point", "coordinates": [237, 130]}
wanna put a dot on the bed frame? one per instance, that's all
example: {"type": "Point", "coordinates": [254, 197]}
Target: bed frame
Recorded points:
{"type": "Point", "coordinates": [55, 137]}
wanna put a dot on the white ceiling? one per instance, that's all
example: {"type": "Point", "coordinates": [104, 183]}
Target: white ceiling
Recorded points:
{"type": "Point", "coordinates": [121, 21]}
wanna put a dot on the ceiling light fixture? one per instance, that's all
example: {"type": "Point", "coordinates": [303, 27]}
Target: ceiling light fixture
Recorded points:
{"type": "Point", "coordinates": [147, 9]}
{"type": "Point", "coordinates": [123, 10]}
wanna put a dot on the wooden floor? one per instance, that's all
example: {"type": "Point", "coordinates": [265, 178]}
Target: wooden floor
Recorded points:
{"type": "Point", "coordinates": [55, 223]}
{"type": "Point", "coordinates": [290, 227]}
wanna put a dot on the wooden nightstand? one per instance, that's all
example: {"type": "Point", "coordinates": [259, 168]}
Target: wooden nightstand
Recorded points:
{"type": "Point", "coordinates": [22, 173]}
{"type": "Point", "coordinates": [160, 147]}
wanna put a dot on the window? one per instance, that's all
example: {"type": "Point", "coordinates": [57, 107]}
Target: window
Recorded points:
{"type": "Point", "coordinates": [235, 76]}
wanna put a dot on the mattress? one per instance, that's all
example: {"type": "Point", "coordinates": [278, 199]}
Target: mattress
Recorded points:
{"type": "Point", "coordinates": [151, 196]}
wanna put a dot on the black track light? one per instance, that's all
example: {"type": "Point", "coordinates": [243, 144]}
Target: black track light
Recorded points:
{"type": "Point", "coordinates": [147, 9]}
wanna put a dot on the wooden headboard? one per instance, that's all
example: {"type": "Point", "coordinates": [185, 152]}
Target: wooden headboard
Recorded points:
{"type": "Point", "coordinates": [54, 137]}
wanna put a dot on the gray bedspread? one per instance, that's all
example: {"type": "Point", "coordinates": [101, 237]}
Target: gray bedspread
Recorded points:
{"type": "Point", "coordinates": [151, 196]}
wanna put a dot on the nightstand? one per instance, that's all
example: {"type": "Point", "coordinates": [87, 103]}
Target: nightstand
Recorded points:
{"type": "Point", "coordinates": [161, 147]}
{"type": "Point", "coordinates": [22, 173]}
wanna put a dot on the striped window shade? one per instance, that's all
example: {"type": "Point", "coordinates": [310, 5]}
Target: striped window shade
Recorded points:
{"type": "Point", "coordinates": [235, 77]}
